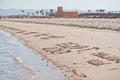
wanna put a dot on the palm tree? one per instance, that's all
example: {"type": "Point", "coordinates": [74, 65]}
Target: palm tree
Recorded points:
{"type": "Point", "coordinates": [109, 12]}
{"type": "Point", "coordinates": [101, 10]}
{"type": "Point", "coordinates": [22, 11]}
{"type": "Point", "coordinates": [37, 12]}
{"type": "Point", "coordinates": [97, 11]}
{"type": "Point", "coordinates": [28, 14]}
{"type": "Point", "coordinates": [51, 12]}
{"type": "Point", "coordinates": [46, 13]}
{"type": "Point", "coordinates": [33, 14]}
{"type": "Point", "coordinates": [89, 11]}
{"type": "Point", "coordinates": [41, 12]}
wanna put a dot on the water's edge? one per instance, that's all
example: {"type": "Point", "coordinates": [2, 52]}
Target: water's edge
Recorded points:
{"type": "Point", "coordinates": [36, 74]}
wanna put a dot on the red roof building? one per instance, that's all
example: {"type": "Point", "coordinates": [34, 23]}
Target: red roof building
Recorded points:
{"type": "Point", "coordinates": [61, 13]}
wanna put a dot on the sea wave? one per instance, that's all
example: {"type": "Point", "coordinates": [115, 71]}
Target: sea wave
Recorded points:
{"type": "Point", "coordinates": [34, 73]}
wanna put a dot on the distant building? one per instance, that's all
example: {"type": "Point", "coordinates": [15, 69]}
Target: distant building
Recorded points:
{"type": "Point", "coordinates": [61, 13]}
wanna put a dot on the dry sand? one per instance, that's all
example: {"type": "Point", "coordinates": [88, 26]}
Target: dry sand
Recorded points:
{"type": "Point", "coordinates": [86, 53]}
{"type": "Point", "coordinates": [97, 23]}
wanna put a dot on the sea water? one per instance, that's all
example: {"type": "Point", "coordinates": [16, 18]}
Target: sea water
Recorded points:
{"type": "Point", "coordinates": [18, 62]}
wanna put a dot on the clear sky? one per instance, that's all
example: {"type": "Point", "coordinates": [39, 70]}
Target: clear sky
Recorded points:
{"type": "Point", "coordinates": [67, 4]}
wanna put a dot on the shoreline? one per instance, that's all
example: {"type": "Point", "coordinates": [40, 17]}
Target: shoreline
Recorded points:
{"type": "Point", "coordinates": [53, 40]}
{"type": "Point", "coordinates": [31, 60]}
{"type": "Point", "coordinates": [61, 67]}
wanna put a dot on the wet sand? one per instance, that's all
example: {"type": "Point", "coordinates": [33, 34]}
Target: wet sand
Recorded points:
{"type": "Point", "coordinates": [86, 53]}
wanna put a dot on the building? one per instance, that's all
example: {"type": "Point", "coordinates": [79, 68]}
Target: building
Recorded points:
{"type": "Point", "coordinates": [61, 13]}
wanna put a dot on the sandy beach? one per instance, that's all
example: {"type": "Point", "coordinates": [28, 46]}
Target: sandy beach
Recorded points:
{"type": "Point", "coordinates": [88, 49]}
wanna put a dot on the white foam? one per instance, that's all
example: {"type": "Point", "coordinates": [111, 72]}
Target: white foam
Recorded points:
{"type": "Point", "coordinates": [19, 60]}
{"type": "Point", "coordinates": [33, 71]}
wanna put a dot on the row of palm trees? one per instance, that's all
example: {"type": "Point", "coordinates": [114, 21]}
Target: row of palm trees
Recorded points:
{"type": "Point", "coordinates": [98, 10]}
{"type": "Point", "coordinates": [103, 10]}
{"type": "Point", "coordinates": [40, 13]}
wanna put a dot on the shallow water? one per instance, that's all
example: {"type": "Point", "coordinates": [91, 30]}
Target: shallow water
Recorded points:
{"type": "Point", "coordinates": [18, 62]}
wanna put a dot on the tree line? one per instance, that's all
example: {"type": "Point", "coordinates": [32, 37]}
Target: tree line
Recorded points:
{"type": "Point", "coordinates": [41, 13]}
{"type": "Point", "coordinates": [103, 11]}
